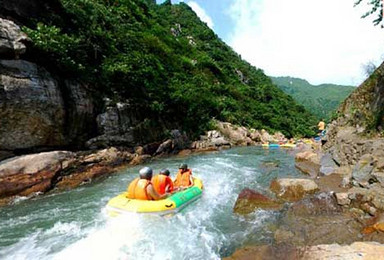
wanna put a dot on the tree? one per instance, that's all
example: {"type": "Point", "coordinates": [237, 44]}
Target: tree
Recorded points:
{"type": "Point", "coordinates": [377, 9]}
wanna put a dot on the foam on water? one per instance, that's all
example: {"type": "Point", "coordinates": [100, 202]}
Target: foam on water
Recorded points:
{"type": "Point", "coordinates": [72, 225]}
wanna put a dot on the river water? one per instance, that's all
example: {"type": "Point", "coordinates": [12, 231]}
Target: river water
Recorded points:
{"type": "Point", "coordinates": [74, 224]}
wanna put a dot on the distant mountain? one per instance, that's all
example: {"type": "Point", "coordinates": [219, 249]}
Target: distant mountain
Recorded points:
{"type": "Point", "coordinates": [322, 100]}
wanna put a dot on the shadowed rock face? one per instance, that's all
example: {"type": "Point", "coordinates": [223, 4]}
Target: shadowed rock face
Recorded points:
{"type": "Point", "coordinates": [33, 112]}
{"type": "Point", "coordinates": [23, 11]}
{"type": "Point", "coordinates": [32, 108]}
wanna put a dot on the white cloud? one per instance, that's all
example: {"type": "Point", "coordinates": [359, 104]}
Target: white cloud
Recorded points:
{"type": "Point", "coordinates": [321, 41]}
{"type": "Point", "coordinates": [201, 13]}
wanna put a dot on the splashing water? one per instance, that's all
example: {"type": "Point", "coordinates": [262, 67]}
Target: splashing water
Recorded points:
{"type": "Point", "coordinates": [74, 225]}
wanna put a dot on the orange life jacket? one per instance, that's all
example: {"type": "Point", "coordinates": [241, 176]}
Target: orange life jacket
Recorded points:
{"type": "Point", "coordinates": [183, 178]}
{"type": "Point", "coordinates": [138, 189]}
{"type": "Point", "coordinates": [162, 184]}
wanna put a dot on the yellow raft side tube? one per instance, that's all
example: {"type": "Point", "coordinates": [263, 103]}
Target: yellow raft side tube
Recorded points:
{"type": "Point", "coordinates": [121, 203]}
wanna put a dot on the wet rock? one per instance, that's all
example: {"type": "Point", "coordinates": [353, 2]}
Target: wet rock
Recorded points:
{"type": "Point", "coordinates": [140, 159]}
{"type": "Point", "coordinates": [321, 204]}
{"type": "Point", "coordinates": [185, 152]}
{"type": "Point", "coordinates": [30, 173]}
{"type": "Point", "coordinates": [331, 183]}
{"type": "Point", "coordinates": [250, 200]}
{"type": "Point", "coordinates": [308, 162]}
{"type": "Point", "coordinates": [85, 168]}
{"type": "Point", "coordinates": [165, 147]}
{"type": "Point", "coordinates": [293, 189]}
{"type": "Point", "coordinates": [270, 164]}
{"type": "Point", "coordinates": [320, 220]}
{"type": "Point", "coordinates": [266, 252]}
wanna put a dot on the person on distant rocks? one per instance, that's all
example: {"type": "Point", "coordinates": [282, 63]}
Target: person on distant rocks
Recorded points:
{"type": "Point", "coordinates": [184, 177]}
{"type": "Point", "coordinates": [162, 183]}
{"type": "Point", "coordinates": [321, 127]}
{"type": "Point", "coordinates": [142, 188]}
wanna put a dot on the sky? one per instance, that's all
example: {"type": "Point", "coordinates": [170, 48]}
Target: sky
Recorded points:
{"type": "Point", "coordinates": [321, 41]}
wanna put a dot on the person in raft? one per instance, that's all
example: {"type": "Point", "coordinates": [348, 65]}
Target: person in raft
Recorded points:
{"type": "Point", "coordinates": [142, 188]}
{"type": "Point", "coordinates": [184, 177]}
{"type": "Point", "coordinates": [162, 183]}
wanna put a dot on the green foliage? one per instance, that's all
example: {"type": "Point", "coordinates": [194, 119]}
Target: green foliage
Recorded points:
{"type": "Point", "coordinates": [376, 9]}
{"type": "Point", "coordinates": [168, 64]}
{"type": "Point", "coordinates": [321, 100]}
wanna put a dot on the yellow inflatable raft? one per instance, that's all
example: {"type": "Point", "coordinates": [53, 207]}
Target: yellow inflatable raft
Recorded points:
{"type": "Point", "coordinates": [172, 204]}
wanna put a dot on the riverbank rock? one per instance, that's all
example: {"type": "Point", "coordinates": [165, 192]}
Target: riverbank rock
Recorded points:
{"type": "Point", "coordinates": [319, 220]}
{"type": "Point", "coordinates": [265, 252]}
{"type": "Point", "coordinates": [293, 189]}
{"type": "Point", "coordinates": [249, 200]}
{"type": "Point", "coordinates": [26, 174]}
{"type": "Point", "coordinates": [237, 135]}
{"type": "Point", "coordinates": [327, 165]}
{"type": "Point", "coordinates": [355, 251]}
{"type": "Point", "coordinates": [42, 172]}
{"type": "Point", "coordinates": [308, 162]}
{"type": "Point", "coordinates": [212, 140]}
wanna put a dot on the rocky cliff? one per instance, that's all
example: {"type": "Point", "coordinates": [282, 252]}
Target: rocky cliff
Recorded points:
{"type": "Point", "coordinates": [38, 109]}
{"type": "Point", "coordinates": [355, 144]}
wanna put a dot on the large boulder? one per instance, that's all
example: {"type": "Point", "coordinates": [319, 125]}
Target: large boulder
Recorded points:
{"type": "Point", "coordinates": [363, 169]}
{"type": "Point", "coordinates": [327, 165]}
{"type": "Point", "coordinates": [319, 220]}
{"type": "Point", "coordinates": [308, 162]}
{"type": "Point", "coordinates": [249, 200]}
{"type": "Point", "coordinates": [237, 135]}
{"type": "Point", "coordinates": [26, 174]}
{"type": "Point", "coordinates": [293, 189]}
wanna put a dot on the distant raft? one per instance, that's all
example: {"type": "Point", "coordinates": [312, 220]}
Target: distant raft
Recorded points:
{"type": "Point", "coordinates": [174, 203]}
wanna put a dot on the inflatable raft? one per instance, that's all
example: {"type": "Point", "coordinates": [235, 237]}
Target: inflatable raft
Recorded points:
{"type": "Point", "coordinates": [172, 204]}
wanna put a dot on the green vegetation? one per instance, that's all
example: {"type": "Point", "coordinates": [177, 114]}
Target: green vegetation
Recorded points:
{"type": "Point", "coordinates": [321, 100]}
{"type": "Point", "coordinates": [376, 8]}
{"type": "Point", "coordinates": [166, 63]}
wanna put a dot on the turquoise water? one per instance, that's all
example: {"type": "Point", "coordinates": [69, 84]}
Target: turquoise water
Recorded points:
{"type": "Point", "coordinates": [74, 224]}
